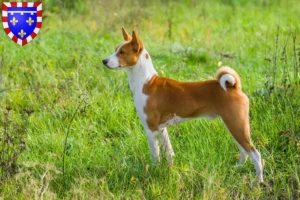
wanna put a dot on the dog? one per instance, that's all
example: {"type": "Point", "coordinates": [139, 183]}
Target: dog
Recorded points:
{"type": "Point", "coordinates": [161, 102]}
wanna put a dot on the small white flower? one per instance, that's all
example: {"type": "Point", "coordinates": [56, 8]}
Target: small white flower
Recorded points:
{"type": "Point", "coordinates": [220, 63]}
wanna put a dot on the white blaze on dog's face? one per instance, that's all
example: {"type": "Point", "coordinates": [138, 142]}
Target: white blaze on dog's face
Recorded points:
{"type": "Point", "coordinates": [127, 54]}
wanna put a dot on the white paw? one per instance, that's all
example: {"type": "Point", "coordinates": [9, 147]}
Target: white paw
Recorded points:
{"type": "Point", "coordinates": [238, 166]}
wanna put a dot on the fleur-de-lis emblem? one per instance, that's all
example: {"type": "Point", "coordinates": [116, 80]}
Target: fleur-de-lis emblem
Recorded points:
{"type": "Point", "coordinates": [22, 33]}
{"type": "Point", "coordinates": [22, 20]}
{"type": "Point", "coordinates": [29, 21]}
{"type": "Point", "coordinates": [14, 21]}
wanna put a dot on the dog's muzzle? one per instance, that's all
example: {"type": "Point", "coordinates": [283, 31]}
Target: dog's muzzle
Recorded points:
{"type": "Point", "coordinates": [105, 61]}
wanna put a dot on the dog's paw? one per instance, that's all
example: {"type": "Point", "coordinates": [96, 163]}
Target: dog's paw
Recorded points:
{"type": "Point", "coordinates": [238, 166]}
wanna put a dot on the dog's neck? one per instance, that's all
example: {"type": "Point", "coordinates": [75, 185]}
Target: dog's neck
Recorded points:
{"type": "Point", "coordinates": [142, 72]}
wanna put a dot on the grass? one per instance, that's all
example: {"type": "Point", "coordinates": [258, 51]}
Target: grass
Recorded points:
{"type": "Point", "coordinates": [56, 85]}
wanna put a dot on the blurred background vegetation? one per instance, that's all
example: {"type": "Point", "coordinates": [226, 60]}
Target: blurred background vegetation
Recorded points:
{"type": "Point", "coordinates": [60, 73]}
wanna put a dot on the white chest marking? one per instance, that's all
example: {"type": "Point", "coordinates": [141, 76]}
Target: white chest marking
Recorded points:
{"type": "Point", "coordinates": [140, 100]}
{"type": "Point", "coordinates": [138, 75]}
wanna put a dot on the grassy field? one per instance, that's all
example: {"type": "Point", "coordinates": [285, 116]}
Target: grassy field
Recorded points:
{"type": "Point", "coordinates": [57, 86]}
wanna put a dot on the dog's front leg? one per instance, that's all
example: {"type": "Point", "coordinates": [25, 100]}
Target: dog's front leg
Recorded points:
{"type": "Point", "coordinates": [166, 145]}
{"type": "Point", "coordinates": [153, 145]}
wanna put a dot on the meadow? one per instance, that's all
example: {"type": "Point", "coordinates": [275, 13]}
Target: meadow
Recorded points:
{"type": "Point", "coordinates": [69, 129]}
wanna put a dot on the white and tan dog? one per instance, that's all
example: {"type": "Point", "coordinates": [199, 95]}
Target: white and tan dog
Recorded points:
{"type": "Point", "coordinates": [161, 101]}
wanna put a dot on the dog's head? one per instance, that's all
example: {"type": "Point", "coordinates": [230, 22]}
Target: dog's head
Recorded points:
{"type": "Point", "coordinates": [127, 53]}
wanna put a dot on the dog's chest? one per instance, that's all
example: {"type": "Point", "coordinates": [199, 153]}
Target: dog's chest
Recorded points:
{"type": "Point", "coordinates": [140, 101]}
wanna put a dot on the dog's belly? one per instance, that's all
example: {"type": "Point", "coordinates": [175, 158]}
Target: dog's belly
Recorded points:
{"type": "Point", "coordinates": [176, 120]}
{"type": "Point", "coordinates": [172, 121]}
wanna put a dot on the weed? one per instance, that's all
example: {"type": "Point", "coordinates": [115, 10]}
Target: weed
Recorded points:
{"type": "Point", "coordinates": [96, 149]}
{"type": "Point", "coordinates": [12, 144]}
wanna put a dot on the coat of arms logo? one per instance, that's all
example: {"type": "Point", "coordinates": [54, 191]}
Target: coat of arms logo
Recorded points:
{"type": "Point", "coordinates": [22, 21]}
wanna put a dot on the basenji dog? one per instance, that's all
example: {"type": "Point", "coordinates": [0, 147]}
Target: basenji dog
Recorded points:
{"type": "Point", "coordinates": [161, 102]}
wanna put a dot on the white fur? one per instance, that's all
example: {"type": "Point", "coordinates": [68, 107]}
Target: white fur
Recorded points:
{"type": "Point", "coordinates": [226, 77]}
{"type": "Point", "coordinates": [113, 61]}
{"type": "Point", "coordinates": [138, 75]}
{"type": "Point", "coordinates": [256, 160]}
{"type": "Point", "coordinates": [142, 72]}
{"type": "Point", "coordinates": [153, 145]}
{"type": "Point", "coordinates": [209, 117]}
{"type": "Point", "coordinates": [166, 144]}
{"type": "Point", "coordinates": [177, 120]}
{"type": "Point", "coordinates": [243, 154]}
{"type": "Point", "coordinates": [172, 121]}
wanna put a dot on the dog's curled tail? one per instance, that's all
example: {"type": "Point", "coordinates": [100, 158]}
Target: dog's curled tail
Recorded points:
{"type": "Point", "coordinates": [227, 77]}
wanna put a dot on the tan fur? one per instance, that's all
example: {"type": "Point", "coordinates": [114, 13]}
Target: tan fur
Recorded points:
{"type": "Point", "coordinates": [168, 97]}
{"type": "Point", "coordinates": [129, 53]}
{"type": "Point", "coordinates": [126, 36]}
{"type": "Point", "coordinates": [228, 70]}
{"type": "Point", "coordinates": [167, 100]}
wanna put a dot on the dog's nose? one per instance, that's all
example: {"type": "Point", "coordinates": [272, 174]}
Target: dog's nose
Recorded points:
{"type": "Point", "coordinates": [105, 61]}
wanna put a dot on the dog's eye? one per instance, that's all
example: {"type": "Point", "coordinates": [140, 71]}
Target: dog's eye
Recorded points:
{"type": "Point", "coordinates": [121, 51]}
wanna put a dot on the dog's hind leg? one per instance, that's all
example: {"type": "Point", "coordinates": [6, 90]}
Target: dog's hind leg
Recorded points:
{"type": "Point", "coordinates": [240, 132]}
{"type": "Point", "coordinates": [166, 144]}
{"type": "Point", "coordinates": [237, 121]}
{"type": "Point", "coordinates": [257, 161]}
{"type": "Point", "coordinates": [243, 155]}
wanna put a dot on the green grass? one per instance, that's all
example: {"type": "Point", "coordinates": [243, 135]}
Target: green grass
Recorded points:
{"type": "Point", "coordinates": [107, 156]}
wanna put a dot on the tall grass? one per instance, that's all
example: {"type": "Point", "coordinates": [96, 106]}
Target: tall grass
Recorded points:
{"type": "Point", "coordinates": [97, 149]}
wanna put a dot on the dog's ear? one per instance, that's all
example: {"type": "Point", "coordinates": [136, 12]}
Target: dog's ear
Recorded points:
{"type": "Point", "coordinates": [126, 36]}
{"type": "Point", "coordinates": [136, 42]}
